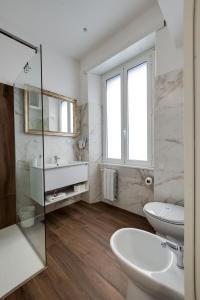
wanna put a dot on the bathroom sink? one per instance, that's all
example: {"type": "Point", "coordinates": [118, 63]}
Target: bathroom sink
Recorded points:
{"type": "Point", "coordinates": [56, 177]}
{"type": "Point", "coordinates": [149, 266]}
{"type": "Point", "coordinates": [66, 164]}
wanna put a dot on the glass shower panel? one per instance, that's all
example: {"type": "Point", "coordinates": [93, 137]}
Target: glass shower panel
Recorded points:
{"type": "Point", "coordinates": [29, 152]}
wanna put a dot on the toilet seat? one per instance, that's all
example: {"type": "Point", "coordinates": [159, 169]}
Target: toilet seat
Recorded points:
{"type": "Point", "coordinates": [166, 212]}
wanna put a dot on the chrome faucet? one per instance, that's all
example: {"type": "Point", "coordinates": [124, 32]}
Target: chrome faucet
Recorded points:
{"type": "Point", "coordinates": [56, 157]}
{"type": "Point", "coordinates": [178, 250]}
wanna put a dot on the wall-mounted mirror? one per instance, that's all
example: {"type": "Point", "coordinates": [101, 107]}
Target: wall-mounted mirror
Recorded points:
{"type": "Point", "coordinates": [60, 113]}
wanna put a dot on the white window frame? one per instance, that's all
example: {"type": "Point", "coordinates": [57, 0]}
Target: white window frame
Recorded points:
{"type": "Point", "coordinates": [147, 57]}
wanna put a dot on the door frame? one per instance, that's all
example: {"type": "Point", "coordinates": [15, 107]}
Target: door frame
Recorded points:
{"type": "Point", "coordinates": [197, 145]}
{"type": "Point", "coordinates": [189, 199]}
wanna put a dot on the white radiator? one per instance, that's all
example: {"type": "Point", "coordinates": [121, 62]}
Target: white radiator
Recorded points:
{"type": "Point", "coordinates": [110, 184]}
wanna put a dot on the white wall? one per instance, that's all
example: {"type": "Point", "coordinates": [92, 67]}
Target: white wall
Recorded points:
{"type": "Point", "coordinates": [172, 11]}
{"type": "Point", "coordinates": [140, 27]}
{"type": "Point", "coordinates": [12, 59]}
{"type": "Point", "coordinates": [168, 57]}
{"type": "Point", "coordinates": [147, 23]}
{"type": "Point", "coordinates": [60, 73]}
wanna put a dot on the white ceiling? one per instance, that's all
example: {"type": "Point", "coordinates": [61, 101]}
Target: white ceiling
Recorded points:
{"type": "Point", "coordinates": [148, 42]}
{"type": "Point", "coordinates": [58, 23]}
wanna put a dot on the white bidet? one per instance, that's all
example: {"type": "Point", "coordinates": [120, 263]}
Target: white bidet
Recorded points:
{"type": "Point", "coordinates": [151, 268]}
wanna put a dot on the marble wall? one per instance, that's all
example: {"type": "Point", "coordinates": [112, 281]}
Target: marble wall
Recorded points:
{"type": "Point", "coordinates": [90, 128]}
{"type": "Point", "coordinates": [29, 147]}
{"type": "Point", "coordinates": [168, 139]}
{"type": "Point", "coordinates": [95, 151]}
{"type": "Point", "coordinates": [168, 151]}
{"type": "Point", "coordinates": [133, 193]}
{"type": "Point", "coordinates": [82, 125]}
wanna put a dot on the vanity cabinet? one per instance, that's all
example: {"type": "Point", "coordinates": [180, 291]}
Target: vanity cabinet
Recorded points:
{"type": "Point", "coordinates": [60, 177]}
{"type": "Point", "coordinates": [57, 177]}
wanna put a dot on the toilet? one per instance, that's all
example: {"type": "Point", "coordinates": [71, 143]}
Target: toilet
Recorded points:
{"type": "Point", "coordinates": [167, 220]}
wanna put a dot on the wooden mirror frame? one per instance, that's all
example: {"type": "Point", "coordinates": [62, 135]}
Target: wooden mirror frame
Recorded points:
{"type": "Point", "coordinates": [47, 132]}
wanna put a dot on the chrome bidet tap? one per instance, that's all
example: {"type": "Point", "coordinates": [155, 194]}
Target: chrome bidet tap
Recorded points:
{"type": "Point", "coordinates": [178, 250]}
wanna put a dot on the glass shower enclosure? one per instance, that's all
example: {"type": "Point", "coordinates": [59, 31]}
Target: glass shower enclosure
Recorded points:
{"type": "Point", "coordinates": [23, 245]}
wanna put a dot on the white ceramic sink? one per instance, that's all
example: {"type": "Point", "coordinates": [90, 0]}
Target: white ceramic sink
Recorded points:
{"type": "Point", "coordinates": [60, 165]}
{"type": "Point", "coordinates": [151, 269]}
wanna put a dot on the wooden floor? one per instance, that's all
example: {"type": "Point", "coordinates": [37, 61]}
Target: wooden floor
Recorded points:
{"type": "Point", "coordinates": [80, 262]}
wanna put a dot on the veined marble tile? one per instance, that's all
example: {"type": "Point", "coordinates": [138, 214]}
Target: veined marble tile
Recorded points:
{"type": "Point", "coordinates": [29, 146]}
{"type": "Point", "coordinates": [166, 85]}
{"type": "Point", "coordinates": [83, 126]}
{"type": "Point", "coordinates": [95, 151]}
{"type": "Point", "coordinates": [168, 145]}
{"type": "Point", "coordinates": [133, 193]}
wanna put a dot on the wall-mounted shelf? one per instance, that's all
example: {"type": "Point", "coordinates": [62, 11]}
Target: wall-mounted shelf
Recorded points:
{"type": "Point", "coordinates": [69, 199]}
{"type": "Point", "coordinates": [61, 178]}
{"type": "Point", "coordinates": [69, 194]}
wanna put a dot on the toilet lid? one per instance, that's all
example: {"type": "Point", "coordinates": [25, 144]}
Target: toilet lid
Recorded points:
{"type": "Point", "coordinates": [170, 213]}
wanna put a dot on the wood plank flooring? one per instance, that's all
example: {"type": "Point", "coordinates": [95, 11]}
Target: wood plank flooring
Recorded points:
{"type": "Point", "coordinates": [81, 265]}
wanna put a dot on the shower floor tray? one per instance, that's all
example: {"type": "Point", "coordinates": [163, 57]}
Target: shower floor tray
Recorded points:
{"type": "Point", "coordinates": [18, 260]}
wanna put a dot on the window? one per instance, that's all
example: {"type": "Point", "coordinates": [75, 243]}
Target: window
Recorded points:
{"type": "Point", "coordinates": [127, 113]}
{"type": "Point", "coordinates": [66, 116]}
{"type": "Point", "coordinates": [113, 108]}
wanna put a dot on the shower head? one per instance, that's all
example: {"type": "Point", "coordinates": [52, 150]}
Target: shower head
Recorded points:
{"type": "Point", "coordinates": [27, 68]}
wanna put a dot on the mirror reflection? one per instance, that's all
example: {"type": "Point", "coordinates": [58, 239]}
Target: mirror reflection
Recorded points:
{"type": "Point", "coordinates": [59, 113]}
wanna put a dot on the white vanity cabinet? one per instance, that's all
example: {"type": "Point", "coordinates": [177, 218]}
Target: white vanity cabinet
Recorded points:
{"type": "Point", "coordinates": [57, 177]}
{"type": "Point", "coordinates": [62, 176]}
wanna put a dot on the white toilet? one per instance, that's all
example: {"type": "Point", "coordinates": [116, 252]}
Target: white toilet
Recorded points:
{"type": "Point", "coordinates": [167, 220]}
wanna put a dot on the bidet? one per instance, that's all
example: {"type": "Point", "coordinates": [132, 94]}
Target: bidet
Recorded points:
{"type": "Point", "coordinates": [151, 269]}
